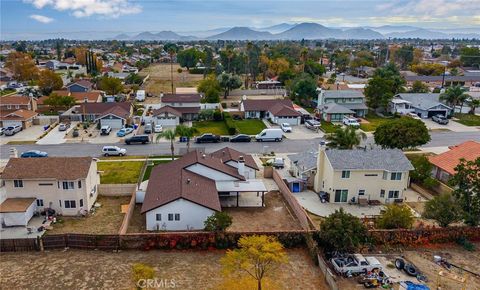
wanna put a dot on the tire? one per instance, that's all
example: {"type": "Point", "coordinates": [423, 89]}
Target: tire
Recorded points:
{"type": "Point", "coordinates": [411, 270]}
{"type": "Point", "coordinates": [399, 264]}
{"type": "Point", "coordinates": [106, 154]}
{"type": "Point", "coordinates": [121, 154]}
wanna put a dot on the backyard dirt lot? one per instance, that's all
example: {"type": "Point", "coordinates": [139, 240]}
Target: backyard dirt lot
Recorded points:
{"type": "Point", "coordinates": [74, 269]}
{"type": "Point", "coordinates": [159, 80]}
{"type": "Point", "coordinates": [275, 216]}
{"type": "Point", "coordinates": [106, 220]}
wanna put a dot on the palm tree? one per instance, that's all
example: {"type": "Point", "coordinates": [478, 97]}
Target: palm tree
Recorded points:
{"type": "Point", "coordinates": [346, 138]}
{"type": "Point", "coordinates": [474, 104]}
{"type": "Point", "coordinates": [169, 135]}
{"type": "Point", "coordinates": [185, 131]}
{"type": "Point", "coordinates": [454, 95]}
{"type": "Point", "coordinates": [171, 52]}
{"type": "Point", "coordinates": [247, 67]}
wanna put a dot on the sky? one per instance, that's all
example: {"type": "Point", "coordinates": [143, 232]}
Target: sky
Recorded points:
{"type": "Point", "coordinates": [37, 17]}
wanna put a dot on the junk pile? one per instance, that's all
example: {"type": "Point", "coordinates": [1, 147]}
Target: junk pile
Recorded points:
{"type": "Point", "coordinates": [374, 279]}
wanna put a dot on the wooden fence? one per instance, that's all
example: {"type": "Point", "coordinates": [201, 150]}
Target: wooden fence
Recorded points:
{"type": "Point", "coordinates": [116, 189]}
{"type": "Point", "coordinates": [19, 245]}
{"type": "Point", "coordinates": [330, 277]}
{"type": "Point", "coordinates": [128, 216]}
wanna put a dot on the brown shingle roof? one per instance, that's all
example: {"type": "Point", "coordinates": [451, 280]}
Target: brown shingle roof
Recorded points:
{"type": "Point", "coordinates": [226, 154]}
{"type": "Point", "coordinates": [60, 168]}
{"type": "Point", "coordinates": [20, 115]}
{"type": "Point", "coordinates": [14, 100]}
{"type": "Point", "coordinates": [188, 110]}
{"type": "Point", "coordinates": [84, 83]}
{"type": "Point", "coordinates": [284, 111]}
{"type": "Point", "coordinates": [91, 96]}
{"type": "Point", "coordinates": [181, 98]}
{"type": "Point", "coordinates": [16, 204]}
{"type": "Point", "coordinates": [447, 161]}
{"type": "Point", "coordinates": [167, 109]}
{"type": "Point", "coordinates": [265, 105]}
{"type": "Point", "coordinates": [104, 108]}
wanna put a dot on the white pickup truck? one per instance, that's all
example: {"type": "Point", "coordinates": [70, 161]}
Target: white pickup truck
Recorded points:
{"type": "Point", "coordinates": [355, 264]}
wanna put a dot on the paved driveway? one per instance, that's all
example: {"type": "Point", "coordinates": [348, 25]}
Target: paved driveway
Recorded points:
{"type": "Point", "coordinates": [30, 134]}
{"type": "Point", "coordinates": [452, 126]}
{"type": "Point", "coordinates": [301, 133]}
{"type": "Point", "coordinates": [55, 136]}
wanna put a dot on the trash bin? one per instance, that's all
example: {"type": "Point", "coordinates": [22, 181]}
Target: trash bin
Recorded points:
{"type": "Point", "coordinates": [135, 126]}
{"type": "Point", "coordinates": [45, 128]}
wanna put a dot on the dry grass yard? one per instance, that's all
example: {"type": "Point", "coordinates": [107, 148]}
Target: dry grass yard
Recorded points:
{"type": "Point", "coordinates": [160, 76]}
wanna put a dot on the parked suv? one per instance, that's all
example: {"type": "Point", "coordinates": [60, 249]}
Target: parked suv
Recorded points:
{"type": "Point", "coordinates": [351, 122]}
{"type": "Point", "coordinates": [207, 138]}
{"type": "Point", "coordinates": [63, 126]}
{"type": "Point", "coordinates": [148, 129]}
{"type": "Point", "coordinates": [312, 124]}
{"type": "Point", "coordinates": [113, 151]}
{"type": "Point", "coordinates": [12, 130]}
{"type": "Point", "coordinates": [440, 119]}
{"type": "Point", "coordinates": [105, 130]}
{"type": "Point", "coordinates": [144, 139]}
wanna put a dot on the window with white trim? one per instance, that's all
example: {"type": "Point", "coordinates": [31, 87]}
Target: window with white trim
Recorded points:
{"type": "Point", "coordinates": [346, 174]}
{"type": "Point", "coordinates": [396, 176]}
{"type": "Point", "coordinates": [177, 216]}
{"type": "Point", "coordinates": [158, 216]}
{"type": "Point", "coordinates": [382, 193]}
{"type": "Point", "coordinates": [361, 192]}
{"type": "Point", "coordinates": [68, 185]}
{"type": "Point", "coordinates": [393, 194]}
{"type": "Point", "coordinates": [39, 202]}
{"type": "Point", "coordinates": [81, 202]}
{"type": "Point", "coordinates": [18, 183]}
{"type": "Point", "coordinates": [170, 216]}
{"type": "Point", "coordinates": [70, 204]}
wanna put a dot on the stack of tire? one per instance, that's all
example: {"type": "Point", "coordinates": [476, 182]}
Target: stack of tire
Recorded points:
{"type": "Point", "coordinates": [410, 269]}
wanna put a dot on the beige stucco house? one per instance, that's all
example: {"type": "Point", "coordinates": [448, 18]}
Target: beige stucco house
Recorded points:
{"type": "Point", "coordinates": [68, 185]}
{"type": "Point", "coordinates": [360, 175]}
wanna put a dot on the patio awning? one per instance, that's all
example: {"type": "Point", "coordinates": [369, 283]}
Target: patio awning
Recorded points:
{"type": "Point", "coordinates": [250, 185]}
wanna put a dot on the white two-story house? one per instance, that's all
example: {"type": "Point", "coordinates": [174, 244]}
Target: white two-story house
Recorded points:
{"type": "Point", "coordinates": [67, 185]}
{"type": "Point", "coordinates": [334, 105]}
{"type": "Point", "coordinates": [360, 175]}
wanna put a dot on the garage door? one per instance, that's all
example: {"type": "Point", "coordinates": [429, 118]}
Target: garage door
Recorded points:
{"type": "Point", "coordinates": [167, 121]}
{"type": "Point", "coordinates": [11, 123]}
{"type": "Point", "coordinates": [291, 121]}
{"type": "Point", "coordinates": [114, 123]}
{"type": "Point", "coordinates": [437, 112]}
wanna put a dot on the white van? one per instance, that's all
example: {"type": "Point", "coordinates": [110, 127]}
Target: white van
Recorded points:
{"type": "Point", "coordinates": [140, 95]}
{"type": "Point", "coordinates": [270, 135]}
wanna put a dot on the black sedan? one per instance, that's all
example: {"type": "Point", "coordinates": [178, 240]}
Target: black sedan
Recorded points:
{"type": "Point", "coordinates": [33, 153]}
{"type": "Point", "coordinates": [241, 138]}
{"type": "Point", "coordinates": [207, 138]}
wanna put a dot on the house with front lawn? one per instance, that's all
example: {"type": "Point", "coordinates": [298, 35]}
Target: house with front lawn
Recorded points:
{"type": "Point", "coordinates": [444, 164]}
{"type": "Point", "coordinates": [362, 176]}
{"type": "Point", "coordinates": [277, 111]}
{"type": "Point", "coordinates": [115, 115]}
{"type": "Point", "coordinates": [187, 104]}
{"type": "Point", "coordinates": [182, 194]}
{"type": "Point", "coordinates": [334, 105]}
{"type": "Point", "coordinates": [166, 116]}
{"type": "Point", "coordinates": [425, 105]}
{"type": "Point", "coordinates": [67, 185]}
{"type": "Point", "coordinates": [23, 118]}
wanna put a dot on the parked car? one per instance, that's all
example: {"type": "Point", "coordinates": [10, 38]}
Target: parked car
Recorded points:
{"type": "Point", "coordinates": [207, 138]}
{"type": "Point", "coordinates": [241, 138]}
{"type": "Point", "coordinates": [124, 131]}
{"type": "Point", "coordinates": [63, 126]}
{"type": "Point", "coordinates": [270, 135]}
{"type": "Point", "coordinates": [355, 264]}
{"type": "Point", "coordinates": [144, 139]}
{"type": "Point", "coordinates": [278, 162]}
{"type": "Point", "coordinates": [113, 151]}
{"type": "Point", "coordinates": [33, 153]}
{"type": "Point", "coordinates": [2, 130]}
{"type": "Point", "coordinates": [148, 129]}
{"type": "Point", "coordinates": [350, 122]}
{"type": "Point", "coordinates": [440, 119]}
{"type": "Point", "coordinates": [287, 128]}
{"type": "Point", "coordinates": [105, 130]}
{"type": "Point", "coordinates": [312, 124]}
{"type": "Point", "coordinates": [12, 130]}
{"type": "Point", "coordinates": [413, 115]}
{"type": "Point", "coordinates": [158, 128]}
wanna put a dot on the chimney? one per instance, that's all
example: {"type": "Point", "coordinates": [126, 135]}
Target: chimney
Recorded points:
{"type": "Point", "coordinates": [320, 164]}
{"type": "Point", "coordinates": [241, 166]}
{"type": "Point", "coordinates": [13, 152]}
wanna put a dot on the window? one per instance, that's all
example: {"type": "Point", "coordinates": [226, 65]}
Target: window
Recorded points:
{"type": "Point", "coordinates": [18, 183]}
{"type": "Point", "coordinates": [158, 216]}
{"type": "Point", "coordinates": [39, 202]}
{"type": "Point", "coordinates": [177, 216]}
{"type": "Point", "coordinates": [346, 174]}
{"type": "Point", "coordinates": [68, 185]}
{"type": "Point", "coordinates": [341, 195]}
{"type": "Point", "coordinates": [70, 204]}
{"type": "Point", "coordinates": [396, 176]}
{"type": "Point", "coordinates": [81, 202]}
{"type": "Point", "coordinates": [361, 192]}
{"type": "Point", "coordinates": [170, 216]}
{"type": "Point", "coordinates": [382, 193]}
{"type": "Point", "coordinates": [79, 184]}
{"type": "Point", "coordinates": [385, 175]}
{"type": "Point", "coordinates": [393, 194]}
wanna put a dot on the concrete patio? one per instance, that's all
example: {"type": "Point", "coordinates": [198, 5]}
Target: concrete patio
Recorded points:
{"type": "Point", "coordinates": [245, 199]}
{"type": "Point", "coordinates": [22, 232]}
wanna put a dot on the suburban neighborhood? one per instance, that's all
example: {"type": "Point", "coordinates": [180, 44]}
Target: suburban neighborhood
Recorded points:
{"type": "Point", "coordinates": [340, 152]}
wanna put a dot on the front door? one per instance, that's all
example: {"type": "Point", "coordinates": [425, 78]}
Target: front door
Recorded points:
{"type": "Point", "coordinates": [341, 195]}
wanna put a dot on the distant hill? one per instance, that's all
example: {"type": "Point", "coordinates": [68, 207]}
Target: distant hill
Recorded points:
{"type": "Point", "coordinates": [419, 33]}
{"type": "Point", "coordinates": [122, 36]}
{"type": "Point", "coordinates": [361, 33]}
{"type": "Point", "coordinates": [276, 28]}
{"type": "Point", "coordinates": [384, 29]}
{"type": "Point", "coordinates": [309, 31]}
{"type": "Point", "coordinates": [242, 33]}
{"type": "Point", "coordinates": [162, 35]}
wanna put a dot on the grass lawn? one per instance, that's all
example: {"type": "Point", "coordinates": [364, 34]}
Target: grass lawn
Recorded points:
{"type": "Point", "coordinates": [328, 127]}
{"type": "Point", "coordinates": [214, 127]}
{"type": "Point", "coordinates": [374, 120]}
{"type": "Point", "coordinates": [123, 157]}
{"type": "Point", "coordinates": [468, 119]}
{"type": "Point", "coordinates": [149, 168]}
{"type": "Point", "coordinates": [250, 126]}
{"type": "Point", "coordinates": [120, 172]}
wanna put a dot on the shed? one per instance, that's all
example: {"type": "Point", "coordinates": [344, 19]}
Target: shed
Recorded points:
{"type": "Point", "coordinates": [17, 211]}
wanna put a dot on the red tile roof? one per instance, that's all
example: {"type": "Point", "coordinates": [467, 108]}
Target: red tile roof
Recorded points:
{"type": "Point", "coordinates": [226, 154]}
{"type": "Point", "coordinates": [447, 161]}
{"type": "Point", "coordinates": [181, 98]}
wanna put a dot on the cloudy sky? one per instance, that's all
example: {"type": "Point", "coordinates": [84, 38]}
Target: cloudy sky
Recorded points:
{"type": "Point", "coordinates": [26, 17]}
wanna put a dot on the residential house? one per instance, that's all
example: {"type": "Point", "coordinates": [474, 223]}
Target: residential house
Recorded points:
{"type": "Point", "coordinates": [303, 168]}
{"type": "Point", "coordinates": [233, 157]}
{"type": "Point", "coordinates": [116, 115]}
{"type": "Point", "coordinates": [58, 65]}
{"type": "Point", "coordinates": [444, 164]}
{"type": "Point", "coordinates": [166, 116]}
{"type": "Point", "coordinates": [15, 102]}
{"type": "Point", "coordinates": [425, 105]}
{"type": "Point", "coordinates": [80, 86]}
{"type": "Point", "coordinates": [68, 185]}
{"type": "Point", "coordinates": [20, 117]}
{"type": "Point", "coordinates": [334, 105]}
{"type": "Point", "coordinates": [182, 194]}
{"type": "Point", "coordinates": [277, 111]}
{"type": "Point", "coordinates": [187, 104]}
{"type": "Point", "coordinates": [362, 176]}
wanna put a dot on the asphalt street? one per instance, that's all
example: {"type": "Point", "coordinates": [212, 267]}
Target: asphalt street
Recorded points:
{"type": "Point", "coordinates": [439, 139]}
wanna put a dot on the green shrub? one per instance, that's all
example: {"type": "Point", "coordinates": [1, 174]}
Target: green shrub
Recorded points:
{"type": "Point", "coordinates": [196, 71]}
{"type": "Point", "coordinates": [217, 115]}
{"type": "Point", "coordinates": [219, 221]}
{"type": "Point", "coordinates": [466, 244]}
{"type": "Point", "coordinates": [224, 105]}
{"type": "Point", "coordinates": [232, 129]}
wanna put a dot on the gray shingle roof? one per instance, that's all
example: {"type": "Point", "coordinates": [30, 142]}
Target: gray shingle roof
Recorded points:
{"type": "Point", "coordinates": [305, 160]}
{"type": "Point", "coordinates": [370, 159]}
{"type": "Point", "coordinates": [340, 94]}
{"type": "Point", "coordinates": [355, 106]}
{"type": "Point", "coordinates": [334, 108]}
{"type": "Point", "coordinates": [423, 101]}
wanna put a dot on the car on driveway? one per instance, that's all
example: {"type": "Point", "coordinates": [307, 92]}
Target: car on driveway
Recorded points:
{"type": "Point", "coordinates": [33, 153]}
{"type": "Point", "coordinates": [63, 126]}
{"type": "Point", "coordinates": [312, 124]}
{"type": "Point", "coordinates": [351, 122]}
{"type": "Point", "coordinates": [207, 138]}
{"type": "Point", "coordinates": [278, 162]}
{"type": "Point", "coordinates": [113, 151]}
{"type": "Point", "coordinates": [2, 130]}
{"type": "Point", "coordinates": [440, 119]}
{"type": "Point", "coordinates": [124, 131]}
{"type": "Point", "coordinates": [148, 129]}
{"type": "Point", "coordinates": [287, 128]}
{"type": "Point", "coordinates": [105, 130]}
{"type": "Point", "coordinates": [158, 128]}
{"type": "Point", "coordinates": [12, 130]}
{"type": "Point", "coordinates": [413, 115]}
{"type": "Point", "coordinates": [241, 138]}
{"type": "Point", "coordinates": [355, 264]}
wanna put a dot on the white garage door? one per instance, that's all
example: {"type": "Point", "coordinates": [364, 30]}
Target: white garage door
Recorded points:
{"type": "Point", "coordinates": [291, 121]}
{"type": "Point", "coordinates": [11, 123]}
{"type": "Point", "coordinates": [167, 121]}
{"type": "Point", "coordinates": [114, 123]}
